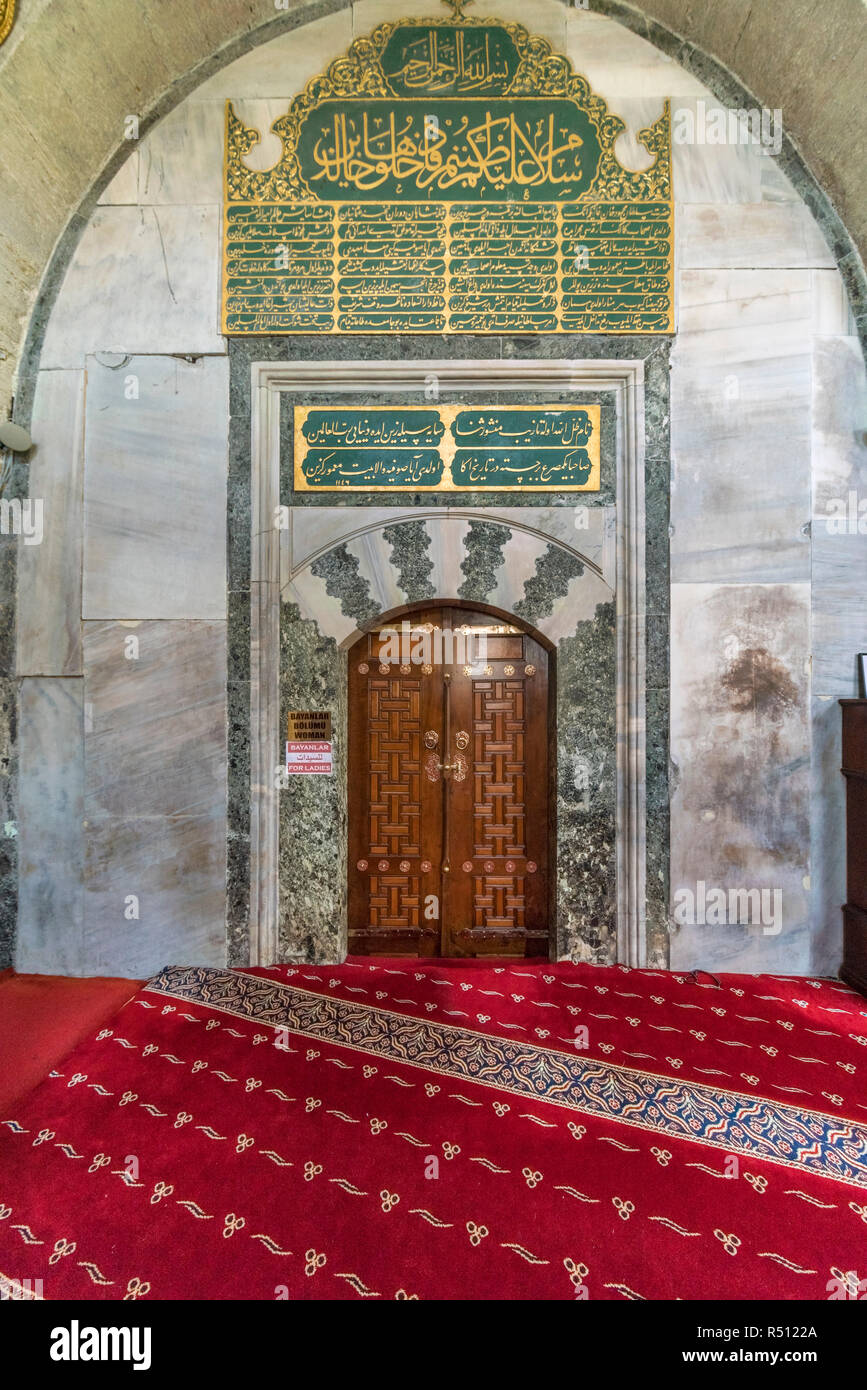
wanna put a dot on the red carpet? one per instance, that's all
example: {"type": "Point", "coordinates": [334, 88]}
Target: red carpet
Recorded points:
{"type": "Point", "coordinates": [42, 1017]}
{"type": "Point", "coordinates": [395, 1130]}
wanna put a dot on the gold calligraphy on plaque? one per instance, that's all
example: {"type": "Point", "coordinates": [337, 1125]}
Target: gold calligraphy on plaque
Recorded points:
{"type": "Point", "coordinates": [455, 448]}
{"type": "Point", "coordinates": [448, 176]}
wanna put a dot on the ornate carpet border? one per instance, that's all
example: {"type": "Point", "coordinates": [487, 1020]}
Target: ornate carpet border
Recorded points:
{"type": "Point", "coordinates": [825, 1145]}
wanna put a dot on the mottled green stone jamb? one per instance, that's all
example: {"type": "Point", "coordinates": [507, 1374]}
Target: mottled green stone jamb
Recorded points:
{"type": "Point", "coordinates": [485, 546]}
{"type": "Point", "coordinates": [554, 571]}
{"type": "Point", "coordinates": [313, 811]}
{"type": "Point", "coordinates": [339, 570]}
{"type": "Point", "coordinates": [410, 541]}
{"type": "Point", "coordinates": [587, 791]}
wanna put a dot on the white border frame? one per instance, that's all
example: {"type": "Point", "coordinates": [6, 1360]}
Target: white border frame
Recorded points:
{"type": "Point", "coordinates": [268, 380]}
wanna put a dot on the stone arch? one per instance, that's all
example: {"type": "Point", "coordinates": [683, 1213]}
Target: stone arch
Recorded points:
{"type": "Point", "coordinates": [376, 561]}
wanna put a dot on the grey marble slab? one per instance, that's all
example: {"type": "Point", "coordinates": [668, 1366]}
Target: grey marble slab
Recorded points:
{"type": "Point", "coordinates": [143, 279]}
{"type": "Point", "coordinates": [49, 574]}
{"type": "Point", "coordinates": [776, 235]}
{"type": "Point", "coordinates": [839, 438]}
{"type": "Point", "coordinates": [839, 610]}
{"type": "Point", "coordinates": [155, 489]}
{"type": "Point", "coordinates": [155, 793]}
{"type": "Point", "coordinates": [735, 315]}
{"type": "Point", "coordinates": [156, 739]}
{"type": "Point", "coordinates": [740, 508]}
{"type": "Point", "coordinates": [539, 16]}
{"type": "Point", "coordinates": [50, 828]}
{"type": "Point", "coordinates": [827, 838]}
{"type": "Point", "coordinates": [181, 159]}
{"type": "Point", "coordinates": [171, 872]}
{"type": "Point", "coordinates": [741, 399]}
{"type": "Point", "coordinates": [618, 62]}
{"type": "Point", "coordinates": [832, 312]}
{"type": "Point", "coordinates": [123, 188]}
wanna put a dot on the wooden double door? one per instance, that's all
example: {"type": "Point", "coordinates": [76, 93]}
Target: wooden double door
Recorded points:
{"type": "Point", "coordinates": [448, 788]}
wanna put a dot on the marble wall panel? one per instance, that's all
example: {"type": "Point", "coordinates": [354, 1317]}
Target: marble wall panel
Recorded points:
{"type": "Point", "coordinates": [839, 610]}
{"type": "Point", "coordinates": [832, 312]}
{"type": "Point", "coordinates": [155, 489]}
{"type": "Point", "coordinates": [49, 574]}
{"type": "Point", "coordinates": [309, 594]}
{"type": "Point", "coordinates": [181, 158]}
{"type": "Point", "coordinates": [741, 416]}
{"type": "Point", "coordinates": [839, 515]}
{"type": "Point", "coordinates": [631, 66]}
{"type": "Point", "coordinates": [448, 535]}
{"type": "Point", "coordinates": [839, 437]}
{"type": "Point", "coordinates": [723, 235]}
{"type": "Point", "coordinates": [839, 579]}
{"type": "Point", "coordinates": [155, 794]}
{"type": "Point", "coordinates": [142, 280]}
{"type": "Point", "coordinates": [124, 186]}
{"type": "Point", "coordinates": [520, 555]}
{"type": "Point", "coordinates": [538, 16]}
{"type": "Point", "coordinates": [827, 838]}
{"type": "Point", "coordinates": [50, 828]}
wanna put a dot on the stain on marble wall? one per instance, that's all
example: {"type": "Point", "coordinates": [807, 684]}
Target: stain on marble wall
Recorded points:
{"type": "Point", "coordinates": [741, 753]}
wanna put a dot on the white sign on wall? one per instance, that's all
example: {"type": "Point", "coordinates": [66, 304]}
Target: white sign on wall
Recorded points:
{"type": "Point", "coordinates": [313, 757]}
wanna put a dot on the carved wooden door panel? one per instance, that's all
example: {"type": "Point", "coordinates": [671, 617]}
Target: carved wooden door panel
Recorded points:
{"type": "Point", "coordinates": [448, 790]}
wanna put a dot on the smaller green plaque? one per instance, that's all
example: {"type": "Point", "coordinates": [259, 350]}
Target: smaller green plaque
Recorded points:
{"type": "Point", "coordinates": [455, 448]}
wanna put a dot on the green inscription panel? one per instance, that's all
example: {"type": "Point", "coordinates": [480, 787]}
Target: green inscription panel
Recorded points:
{"type": "Point", "coordinates": [448, 177]}
{"type": "Point", "coordinates": [456, 448]}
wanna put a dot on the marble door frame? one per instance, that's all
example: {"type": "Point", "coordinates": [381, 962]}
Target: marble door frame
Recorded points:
{"type": "Point", "coordinates": [625, 379]}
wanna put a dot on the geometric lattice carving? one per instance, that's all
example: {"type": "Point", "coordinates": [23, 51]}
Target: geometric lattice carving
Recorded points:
{"type": "Point", "coordinates": [498, 902]}
{"type": "Point", "coordinates": [395, 901]}
{"type": "Point", "coordinates": [442, 863]}
{"type": "Point", "coordinates": [499, 811]}
{"type": "Point", "coordinates": [395, 748]}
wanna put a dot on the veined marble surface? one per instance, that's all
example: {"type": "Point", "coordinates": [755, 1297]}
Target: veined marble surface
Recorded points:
{"type": "Point", "coordinates": [154, 794]}
{"type": "Point", "coordinates": [741, 415]}
{"type": "Point", "coordinates": [50, 837]}
{"type": "Point", "coordinates": [158, 269]}
{"type": "Point", "coordinates": [49, 574]}
{"type": "Point", "coordinates": [155, 489]}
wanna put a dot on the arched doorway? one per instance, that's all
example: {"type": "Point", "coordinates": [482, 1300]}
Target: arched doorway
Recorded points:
{"type": "Point", "coordinates": [451, 772]}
